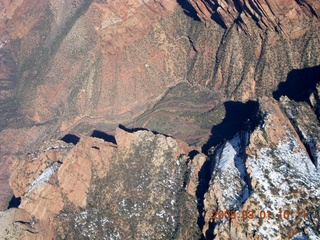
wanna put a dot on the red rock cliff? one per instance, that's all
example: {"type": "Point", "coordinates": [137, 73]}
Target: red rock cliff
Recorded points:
{"type": "Point", "coordinates": [286, 16]}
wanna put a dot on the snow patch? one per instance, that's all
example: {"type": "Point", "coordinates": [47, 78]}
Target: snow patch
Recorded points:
{"type": "Point", "coordinates": [230, 171]}
{"type": "Point", "coordinates": [278, 172]}
{"type": "Point", "coordinates": [45, 176]}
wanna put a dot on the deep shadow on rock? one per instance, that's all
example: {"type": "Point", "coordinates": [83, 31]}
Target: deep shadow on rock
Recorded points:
{"type": "Point", "coordinates": [188, 9]}
{"type": "Point", "coordinates": [238, 116]}
{"type": "Point", "coordinates": [215, 16]}
{"type": "Point", "coordinates": [132, 130]}
{"type": "Point", "coordinates": [14, 202]}
{"type": "Point", "coordinates": [102, 135]}
{"type": "Point", "coordinates": [204, 177]}
{"type": "Point", "coordinates": [298, 84]}
{"type": "Point", "coordinates": [71, 138]}
{"type": "Point", "coordinates": [237, 113]}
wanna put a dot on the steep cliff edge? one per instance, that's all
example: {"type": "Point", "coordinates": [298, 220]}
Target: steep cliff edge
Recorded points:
{"type": "Point", "coordinates": [289, 17]}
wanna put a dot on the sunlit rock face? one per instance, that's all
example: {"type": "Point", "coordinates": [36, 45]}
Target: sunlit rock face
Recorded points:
{"type": "Point", "coordinates": [97, 189]}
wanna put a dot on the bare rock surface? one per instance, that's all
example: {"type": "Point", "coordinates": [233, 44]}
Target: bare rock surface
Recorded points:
{"type": "Point", "coordinates": [102, 190]}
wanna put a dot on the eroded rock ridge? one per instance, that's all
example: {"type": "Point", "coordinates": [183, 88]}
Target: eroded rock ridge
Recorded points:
{"type": "Point", "coordinates": [289, 17]}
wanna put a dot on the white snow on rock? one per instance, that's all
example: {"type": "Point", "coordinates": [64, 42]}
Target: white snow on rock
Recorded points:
{"type": "Point", "coordinates": [280, 173]}
{"type": "Point", "coordinates": [45, 176]}
{"type": "Point", "coordinates": [229, 174]}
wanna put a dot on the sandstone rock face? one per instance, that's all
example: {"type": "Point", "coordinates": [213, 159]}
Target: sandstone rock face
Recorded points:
{"type": "Point", "coordinates": [141, 194]}
{"type": "Point", "coordinates": [34, 179]}
{"type": "Point", "coordinates": [104, 190]}
{"type": "Point", "coordinates": [287, 16]}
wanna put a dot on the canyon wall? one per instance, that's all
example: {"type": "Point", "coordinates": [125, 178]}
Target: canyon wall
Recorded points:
{"type": "Point", "coordinates": [289, 17]}
{"type": "Point", "coordinates": [81, 65]}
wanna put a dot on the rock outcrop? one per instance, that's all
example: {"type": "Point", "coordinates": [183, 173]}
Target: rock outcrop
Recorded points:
{"type": "Point", "coordinates": [289, 17]}
{"type": "Point", "coordinates": [102, 190]}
